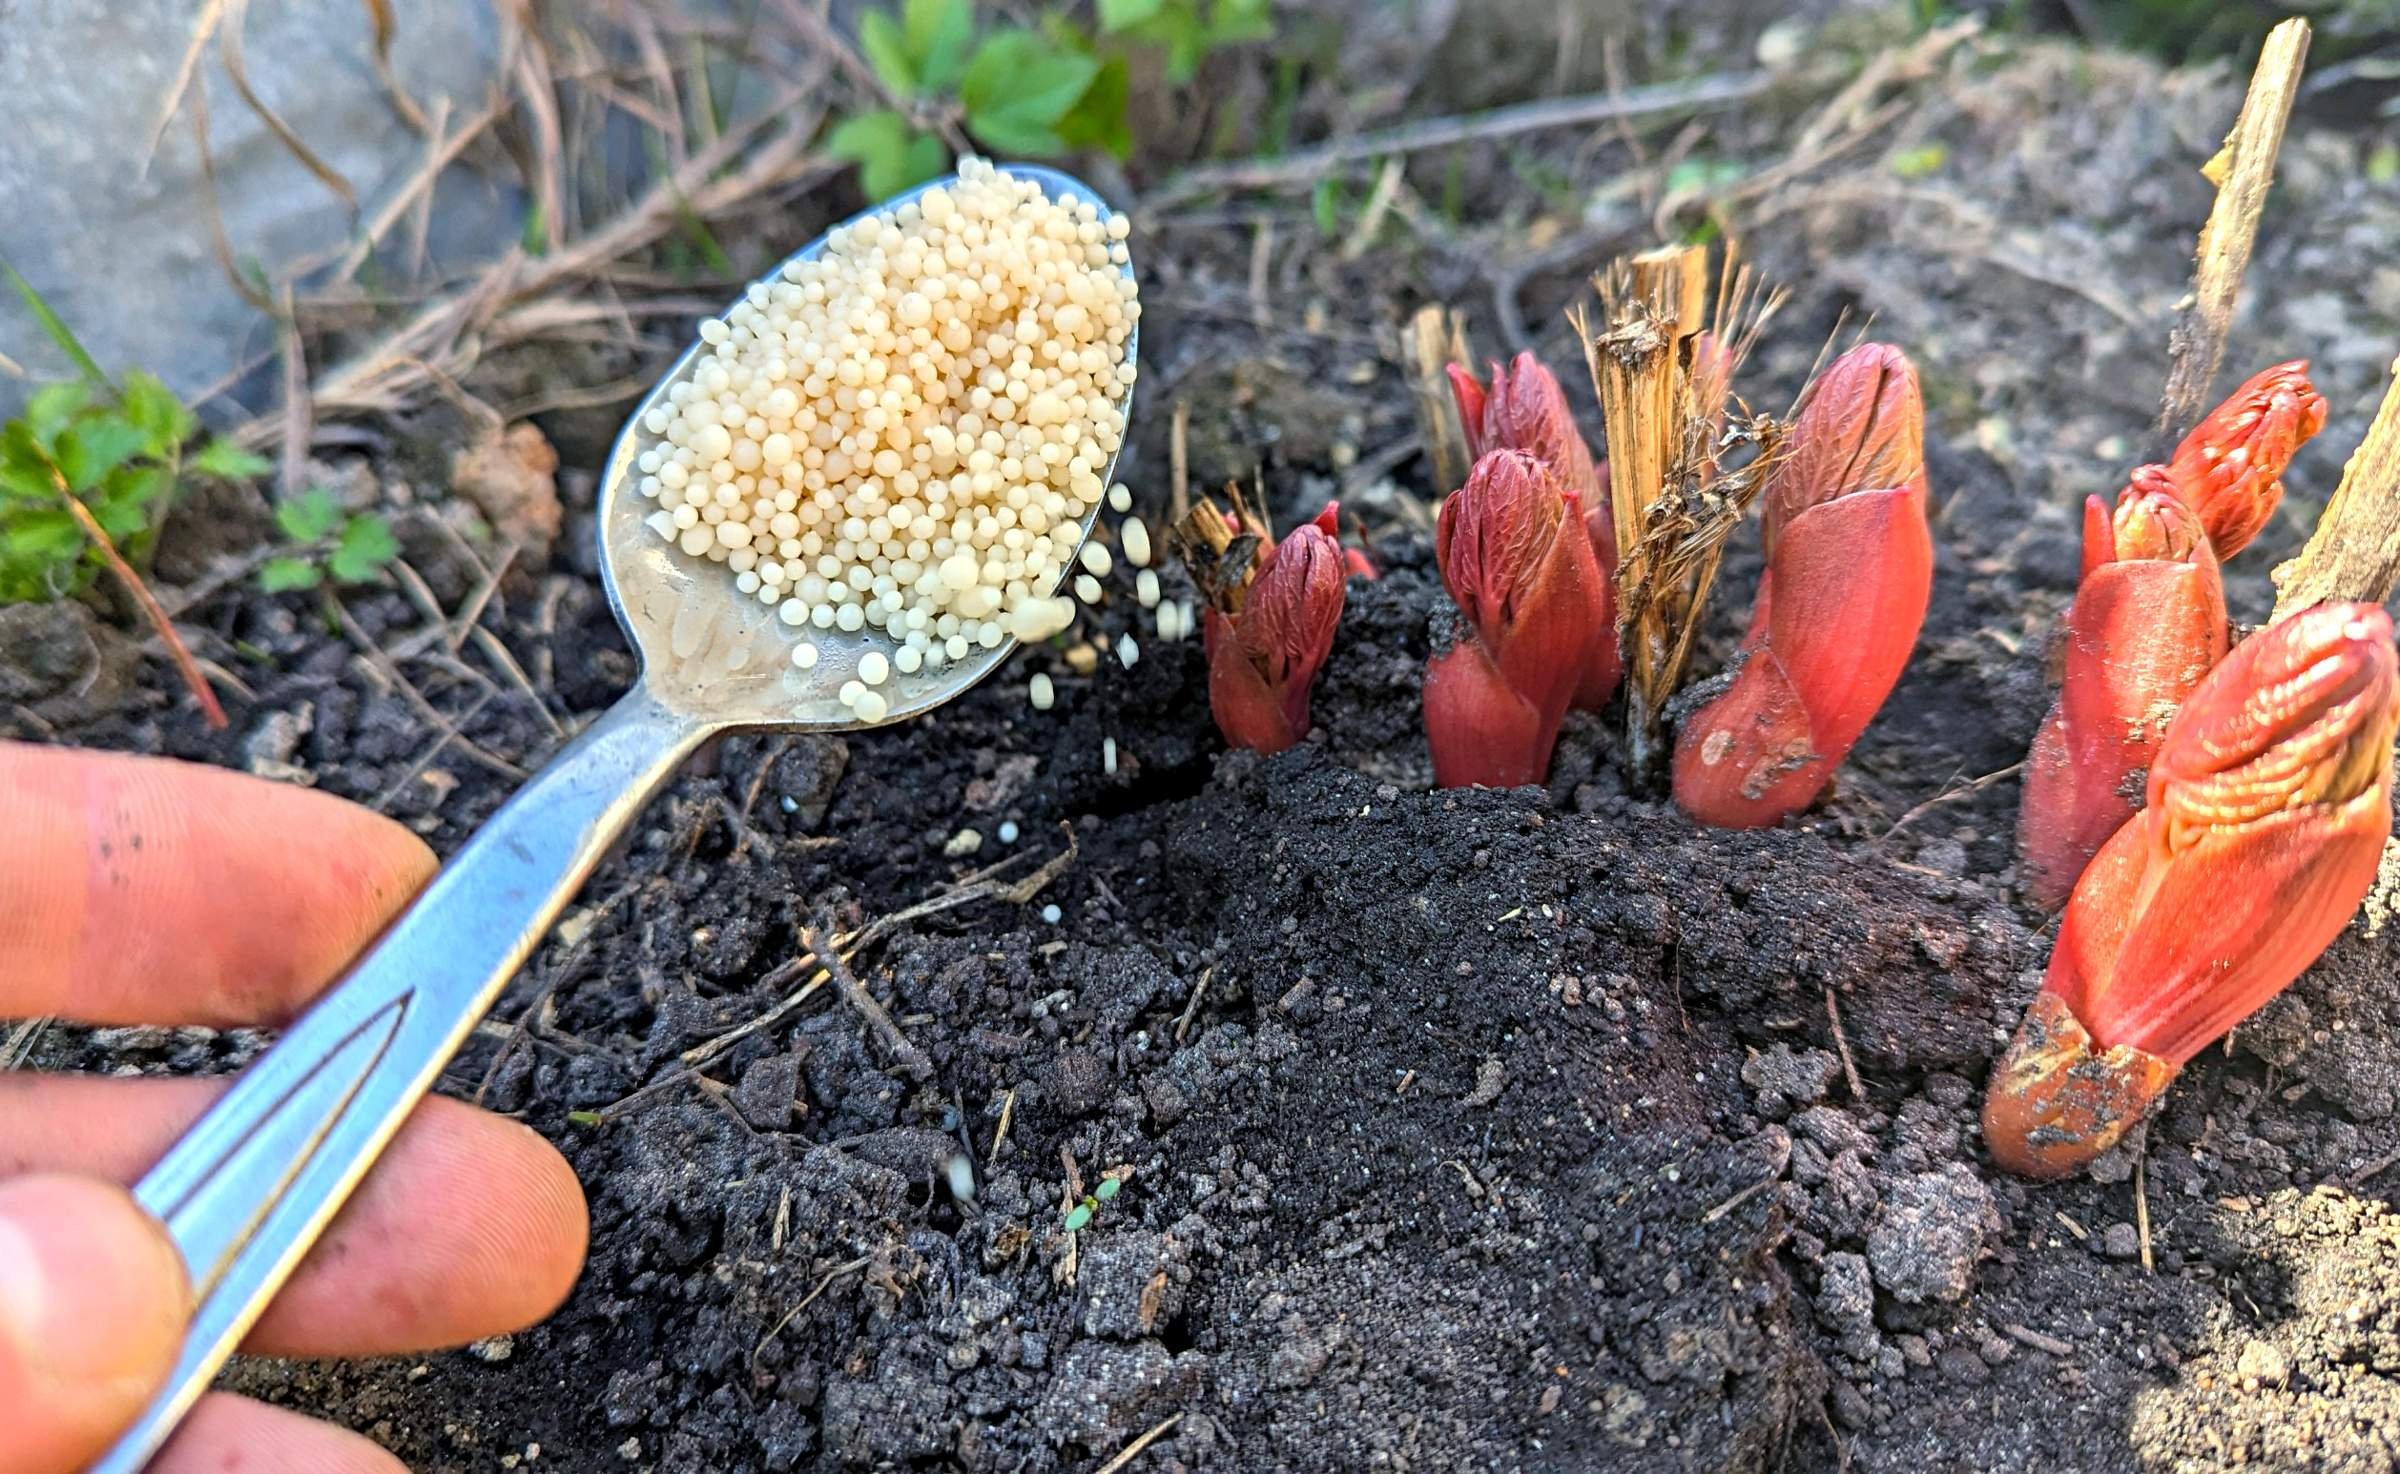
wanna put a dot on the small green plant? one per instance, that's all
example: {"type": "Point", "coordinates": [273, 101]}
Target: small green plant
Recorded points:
{"type": "Point", "coordinates": [1023, 91]}
{"type": "Point", "coordinates": [327, 545]}
{"type": "Point", "coordinates": [87, 474]}
{"type": "Point", "coordinates": [1080, 1216]}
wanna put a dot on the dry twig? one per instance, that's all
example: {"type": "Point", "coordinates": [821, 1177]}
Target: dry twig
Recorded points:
{"type": "Point", "coordinates": [2242, 171]}
{"type": "Point", "coordinates": [2355, 551]}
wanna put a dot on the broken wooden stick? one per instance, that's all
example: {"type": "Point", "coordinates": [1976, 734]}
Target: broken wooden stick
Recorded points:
{"type": "Point", "coordinates": [2355, 551]}
{"type": "Point", "coordinates": [1436, 340]}
{"type": "Point", "coordinates": [2243, 171]}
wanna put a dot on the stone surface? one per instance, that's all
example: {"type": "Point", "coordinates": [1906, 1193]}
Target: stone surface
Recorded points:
{"type": "Point", "coordinates": [123, 253]}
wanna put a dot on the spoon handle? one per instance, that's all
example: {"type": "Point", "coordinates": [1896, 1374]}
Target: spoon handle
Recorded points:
{"type": "Point", "coordinates": [248, 1188]}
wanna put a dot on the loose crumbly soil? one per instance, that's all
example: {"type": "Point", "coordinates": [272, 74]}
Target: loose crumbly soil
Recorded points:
{"type": "Point", "coordinates": [1465, 1131]}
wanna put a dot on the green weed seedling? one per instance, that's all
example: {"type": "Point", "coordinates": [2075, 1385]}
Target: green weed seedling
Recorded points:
{"type": "Point", "coordinates": [327, 545]}
{"type": "Point", "coordinates": [1080, 1216]}
{"type": "Point", "coordinates": [1032, 92]}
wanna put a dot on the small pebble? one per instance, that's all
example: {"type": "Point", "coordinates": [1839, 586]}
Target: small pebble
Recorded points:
{"type": "Point", "coordinates": [1083, 658]}
{"type": "Point", "coordinates": [804, 655]}
{"type": "Point", "coordinates": [1127, 651]}
{"type": "Point", "coordinates": [1136, 539]}
{"type": "Point", "coordinates": [1008, 831]}
{"type": "Point", "coordinates": [1145, 588]}
{"type": "Point", "coordinates": [1120, 497]}
{"type": "Point", "coordinates": [965, 842]}
{"type": "Point", "coordinates": [1051, 914]}
{"type": "Point", "coordinates": [1041, 692]}
{"type": "Point", "coordinates": [789, 804]}
{"type": "Point", "coordinates": [1087, 588]}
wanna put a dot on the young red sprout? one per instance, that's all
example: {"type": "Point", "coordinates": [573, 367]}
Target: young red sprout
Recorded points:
{"type": "Point", "coordinates": [1263, 656]}
{"type": "Point", "coordinates": [1849, 570]}
{"type": "Point", "coordinates": [1526, 409]}
{"type": "Point", "coordinates": [2148, 623]}
{"type": "Point", "coordinates": [1519, 565]}
{"type": "Point", "coordinates": [2270, 803]}
{"type": "Point", "coordinates": [2229, 468]}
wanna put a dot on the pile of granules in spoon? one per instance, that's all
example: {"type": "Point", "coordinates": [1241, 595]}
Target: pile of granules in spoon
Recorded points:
{"type": "Point", "coordinates": [904, 434]}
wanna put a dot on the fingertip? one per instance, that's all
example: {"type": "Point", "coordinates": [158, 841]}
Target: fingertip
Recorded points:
{"type": "Point", "coordinates": [225, 1434]}
{"type": "Point", "coordinates": [93, 1300]}
{"type": "Point", "coordinates": [471, 1225]}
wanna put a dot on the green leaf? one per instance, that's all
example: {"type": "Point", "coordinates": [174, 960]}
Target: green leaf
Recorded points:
{"type": "Point", "coordinates": [309, 517]}
{"type": "Point", "coordinates": [94, 446]}
{"type": "Point", "coordinates": [1098, 117]}
{"type": "Point", "coordinates": [41, 537]}
{"type": "Point", "coordinates": [286, 575]}
{"type": "Point", "coordinates": [887, 51]}
{"type": "Point", "coordinates": [939, 34]}
{"type": "Point", "coordinates": [123, 518]}
{"type": "Point", "coordinates": [153, 406]}
{"type": "Point", "coordinates": [51, 408]}
{"type": "Point", "coordinates": [1124, 15]}
{"type": "Point", "coordinates": [1017, 88]}
{"type": "Point", "coordinates": [223, 458]}
{"type": "Point", "coordinates": [891, 156]}
{"type": "Point", "coordinates": [55, 327]}
{"type": "Point", "coordinates": [24, 465]}
{"type": "Point", "coordinates": [366, 546]}
{"type": "Point", "coordinates": [1231, 22]}
{"type": "Point", "coordinates": [142, 485]}
{"type": "Point", "coordinates": [1916, 163]}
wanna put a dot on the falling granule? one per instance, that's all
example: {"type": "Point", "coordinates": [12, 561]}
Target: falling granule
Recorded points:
{"type": "Point", "coordinates": [1095, 560]}
{"type": "Point", "coordinates": [1127, 651]}
{"type": "Point", "coordinates": [1120, 497]}
{"type": "Point", "coordinates": [1051, 914]}
{"type": "Point", "coordinates": [1145, 588]}
{"type": "Point", "coordinates": [1108, 756]}
{"type": "Point", "coordinates": [1167, 627]}
{"type": "Point", "coordinates": [1136, 539]}
{"type": "Point", "coordinates": [1087, 588]}
{"type": "Point", "coordinates": [962, 1177]}
{"type": "Point", "coordinates": [906, 432]}
{"type": "Point", "coordinates": [1040, 692]}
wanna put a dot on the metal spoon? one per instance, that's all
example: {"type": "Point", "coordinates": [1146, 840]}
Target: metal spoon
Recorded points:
{"type": "Point", "coordinates": [247, 1190]}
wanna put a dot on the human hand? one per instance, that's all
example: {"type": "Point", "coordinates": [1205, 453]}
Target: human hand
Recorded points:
{"type": "Point", "coordinates": [136, 890]}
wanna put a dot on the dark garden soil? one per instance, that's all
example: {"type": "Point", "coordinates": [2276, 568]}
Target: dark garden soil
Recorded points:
{"type": "Point", "coordinates": [1478, 1130]}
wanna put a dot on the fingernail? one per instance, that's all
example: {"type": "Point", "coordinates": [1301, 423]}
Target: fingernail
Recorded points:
{"type": "Point", "coordinates": [93, 1295]}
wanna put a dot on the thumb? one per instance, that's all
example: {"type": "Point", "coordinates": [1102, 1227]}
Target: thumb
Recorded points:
{"type": "Point", "coordinates": [93, 1299]}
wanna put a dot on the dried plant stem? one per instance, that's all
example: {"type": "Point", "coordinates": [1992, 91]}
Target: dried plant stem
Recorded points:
{"type": "Point", "coordinates": [1436, 340]}
{"type": "Point", "coordinates": [131, 581]}
{"type": "Point", "coordinates": [2243, 171]}
{"type": "Point", "coordinates": [1639, 361]}
{"type": "Point", "coordinates": [2355, 551]}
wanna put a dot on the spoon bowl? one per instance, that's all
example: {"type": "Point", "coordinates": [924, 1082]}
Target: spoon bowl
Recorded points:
{"type": "Point", "coordinates": [249, 1187]}
{"type": "Point", "coordinates": [716, 655]}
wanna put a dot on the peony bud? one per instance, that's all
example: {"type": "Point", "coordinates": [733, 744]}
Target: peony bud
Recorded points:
{"type": "Point", "coordinates": [1849, 570]}
{"type": "Point", "coordinates": [2229, 468]}
{"type": "Point", "coordinates": [2270, 805]}
{"type": "Point", "coordinates": [1526, 409]}
{"type": "Point", "coordinates": [1515, 559]}
{"type": "Point", "coordinates": [2148, 623]}
{"type": "Point", "coordinates": [1264, 658]}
